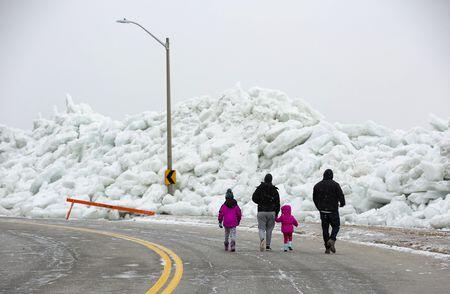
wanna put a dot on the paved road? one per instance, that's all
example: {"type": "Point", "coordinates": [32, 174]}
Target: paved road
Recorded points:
{"type": "Point", "coordinates": [40, 259]}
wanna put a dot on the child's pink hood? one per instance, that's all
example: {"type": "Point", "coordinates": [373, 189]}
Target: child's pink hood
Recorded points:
{"type": "Point", "coordinates": [287, 220]}
{"type": "Point", "coordinates": [286, 209]}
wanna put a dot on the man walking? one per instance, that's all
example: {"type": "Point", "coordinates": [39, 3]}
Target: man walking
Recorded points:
{"type": "Point", "coordinates": [328, 196]}
{"type": "Point", "coordinates": [268, 200]}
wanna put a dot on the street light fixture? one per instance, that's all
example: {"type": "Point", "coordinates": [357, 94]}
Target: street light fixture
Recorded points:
{"type": "Point", "coordinates": [170, 186]}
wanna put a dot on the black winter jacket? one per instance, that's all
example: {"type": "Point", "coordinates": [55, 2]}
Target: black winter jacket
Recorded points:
{"type": "Point", "coordinates": [267, 197]}
{"type": "Point", "coordinates": [327, 194]}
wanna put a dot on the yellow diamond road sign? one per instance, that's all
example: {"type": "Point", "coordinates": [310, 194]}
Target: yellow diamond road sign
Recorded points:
{"type": "Point", "coordinates": [170, 177]}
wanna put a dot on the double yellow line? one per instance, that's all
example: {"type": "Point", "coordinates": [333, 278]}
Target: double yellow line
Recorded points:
{"type": "Point", "coordinates": [166, 254]}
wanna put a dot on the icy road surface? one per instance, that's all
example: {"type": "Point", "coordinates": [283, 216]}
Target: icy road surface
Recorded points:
{"type": "Point", "coordinates": [36, 259]}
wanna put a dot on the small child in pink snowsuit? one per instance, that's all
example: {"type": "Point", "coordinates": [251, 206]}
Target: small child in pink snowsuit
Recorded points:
{"type": "Point", "coordinates": [230, 215]}
{"type": "Point", "coordinates": [288, 222]}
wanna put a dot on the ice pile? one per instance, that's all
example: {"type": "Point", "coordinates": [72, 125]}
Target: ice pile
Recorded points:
{"type": "Point", "coordinates": [389, 177]}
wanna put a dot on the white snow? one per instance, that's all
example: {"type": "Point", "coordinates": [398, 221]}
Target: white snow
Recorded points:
{"type": "Point", "coordinates": [440, 221]}
{"type": "Point", "coordinates": [285, 141]}
{"type": "Point", "coordinates": [389, 177]}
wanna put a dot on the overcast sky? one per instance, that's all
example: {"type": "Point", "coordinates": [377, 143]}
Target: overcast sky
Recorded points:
{"type": "Point", "coordinates": [386, 61]}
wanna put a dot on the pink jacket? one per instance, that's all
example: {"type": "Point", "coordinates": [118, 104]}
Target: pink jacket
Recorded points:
{"type": "Point", "coordinates": [287, 220]}
{"type": "Point", "coordinates": [230, 214]}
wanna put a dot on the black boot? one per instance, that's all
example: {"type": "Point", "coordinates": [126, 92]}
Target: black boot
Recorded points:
{"type": "Point", "coordinates": [331, 245]}
{"type": "Point", "coordinates": [327, 248]}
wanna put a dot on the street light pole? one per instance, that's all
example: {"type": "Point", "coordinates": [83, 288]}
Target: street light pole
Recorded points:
{"type": "Point", "coordinates": [171, 187]}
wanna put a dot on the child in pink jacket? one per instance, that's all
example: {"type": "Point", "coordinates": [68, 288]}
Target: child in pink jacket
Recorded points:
{"type": "Point", "coordinates": [288, 222]}
{"type": "Point", "coordinates": [230, 217]}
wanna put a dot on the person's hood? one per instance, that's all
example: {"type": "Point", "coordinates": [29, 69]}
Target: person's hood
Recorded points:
{"type": "Point", "coordinates": [286, 209]}
{"type": "Point", "coordinates": [230, 202]}
{"type": "Point", "coordinates": [268, 178]}
{"type": "Point", "coordinates": [328, 174]}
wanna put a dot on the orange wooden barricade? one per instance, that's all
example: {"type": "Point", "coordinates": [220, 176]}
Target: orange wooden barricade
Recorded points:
{"type": "Point", "coordinates": [121, 208]}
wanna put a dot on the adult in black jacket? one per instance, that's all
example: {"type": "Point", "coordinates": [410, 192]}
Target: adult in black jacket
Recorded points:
{"type": "Point", "coordinates": [268, 200]}
{"type": "Point", "coordinates": [328, 196]}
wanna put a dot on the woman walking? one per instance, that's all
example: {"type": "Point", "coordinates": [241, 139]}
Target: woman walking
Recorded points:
{"type": "Point", "coordinates": [268, 200]}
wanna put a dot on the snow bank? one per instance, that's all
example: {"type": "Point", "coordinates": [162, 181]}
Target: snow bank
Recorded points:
{"type": "Point", "coordinates": [390, 177]}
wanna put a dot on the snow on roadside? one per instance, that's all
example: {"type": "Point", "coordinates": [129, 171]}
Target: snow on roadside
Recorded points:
{"type": "Point", "coordinates": [390, 177]}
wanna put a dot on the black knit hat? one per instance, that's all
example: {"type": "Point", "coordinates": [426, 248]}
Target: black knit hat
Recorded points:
{"type": "Point", "coordinates": [229, 194]}
{"type": "Point", "coordinates": [268, 178]}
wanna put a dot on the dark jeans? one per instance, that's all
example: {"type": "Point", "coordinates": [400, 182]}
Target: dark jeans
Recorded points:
{"type": "Point", "coordinates": [328, 219]}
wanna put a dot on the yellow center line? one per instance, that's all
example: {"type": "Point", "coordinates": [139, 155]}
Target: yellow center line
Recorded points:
{"type": "Point", "coordinates": [162, 251]}
{"type": "Point", "coordinates": [167, 262]}
{"type": "Point", "coordinates": [178, 271]}
{"type": "Point", "coordinates": [178, 267]}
